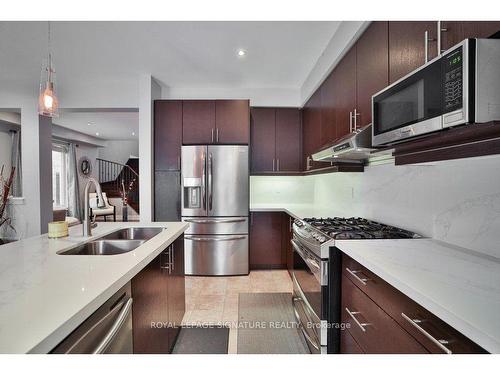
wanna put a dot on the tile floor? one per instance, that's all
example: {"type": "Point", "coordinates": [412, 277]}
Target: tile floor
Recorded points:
{"type": "Point", "coordinates": [214, 300]}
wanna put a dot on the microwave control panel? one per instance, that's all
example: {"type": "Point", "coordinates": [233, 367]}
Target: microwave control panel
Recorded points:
{"type": "Point", "coordinates": [453, 80]}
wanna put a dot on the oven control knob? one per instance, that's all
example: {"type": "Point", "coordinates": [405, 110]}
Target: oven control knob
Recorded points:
{"type": "Point", "coordinates": [321, 239]}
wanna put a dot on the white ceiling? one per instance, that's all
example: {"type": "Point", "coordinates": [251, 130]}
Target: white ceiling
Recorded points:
{"type": "Point", "coordinates": [91, 57]}
{"type": "Point", "coordinates": [109, 125]}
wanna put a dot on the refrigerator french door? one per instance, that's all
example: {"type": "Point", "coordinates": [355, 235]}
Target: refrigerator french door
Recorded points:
{"type": "Point", "coordinates": [215, 200]}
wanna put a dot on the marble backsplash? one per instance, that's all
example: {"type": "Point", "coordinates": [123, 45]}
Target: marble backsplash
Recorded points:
{"type": "Point", "coordinates": [457, 201]}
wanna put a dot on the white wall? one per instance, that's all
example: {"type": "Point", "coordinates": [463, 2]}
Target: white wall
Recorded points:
{"type": "Point", "coordinates": [119, 151]}
{"type": "Point", "coordinates": [454, 201]}
{"type": "Point", "coordinates": [5, 146]}
{"type": "Point", "coordinates": [281, 189]}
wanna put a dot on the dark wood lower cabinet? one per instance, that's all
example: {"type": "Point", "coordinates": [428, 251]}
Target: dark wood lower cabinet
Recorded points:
{"type": "Point", "coordinates": [167, 199]}
{"type": "Point", "coordinates": [402, 320]}
{"type": "Point", "coordinates": [158, 293]}
{"type": "Point", "coordinates": [348, 345]}
{"type": "Point", "coordinates": [266, 250]}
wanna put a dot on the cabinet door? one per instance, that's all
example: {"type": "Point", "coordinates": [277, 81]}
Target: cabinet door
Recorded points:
{"type": "Point", "coordinates": [198, 122]}
{"type": "Point", "coordinates": [328, 123]}
{"type": "Point", "coordinates": [150, 295]}
{"type": "Point", "coordinates": [344, 77]}
{"type": "Point", "coordinates": [456, 31]}
{"type": "Point", "coordinates": [167, 199]}
{"type": "Point", "coordinates": [311, 130]}
{"type": "Point", "coordinates": [372, 68]}
{"type": "Point", "coordinates": [262, 148]}
{"type": "Point", "coordinates": [286, 237]}
{"type": "Point", "coordinates": [176, 290]}
{"type": "Point", "coordinates": [288, 140]}
{"type": "Point", "coordinates": [232, 121]}
{"type": "Point", "coordinates": [407, 46]}
{"type": "Point", "coordinates": [265, 240]}
{"type": "Point", "coordinates": [167, 135]}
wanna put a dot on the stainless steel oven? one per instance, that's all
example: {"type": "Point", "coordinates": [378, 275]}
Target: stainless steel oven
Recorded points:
{"type": "Point", "coordinates": [461, 86]}
{"type": "Point", "coordinates": [310, 295]}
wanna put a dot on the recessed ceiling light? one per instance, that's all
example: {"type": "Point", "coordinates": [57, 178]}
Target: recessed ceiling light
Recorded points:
{"type": "Point", "coordinates": [133, 133]}
{"type": "Point", "coordinates": [241, 53]}
{"type": "Point", "coordinates": [89, 124]}
{"type": "Point", "coordinates": [97, 134]}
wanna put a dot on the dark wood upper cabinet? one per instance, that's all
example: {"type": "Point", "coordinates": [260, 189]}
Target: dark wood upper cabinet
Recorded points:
{"type": "Point", "coordinates": [328, 119]}
{"type": "Point", "coordinates": [167, 135]}
{"type": "Point", "coordinates": [344, 77]}
{"type": "Point", "coordinates": [232, 121]}
{"type": "Point", "coordinates": [276, 135]}
{"type": "Point", "coordinates": [456, 31]}
{"type": "Point", "coordinates": [372, 68]}
{"type": "Point", "coordinates": [263, 135]}
{"type": "Point", "coordinates": [266, 251]}
{"type": "Point", "coordinates": [407, 46]}
{"type": "Point", "coordinates": [288, 140]}
{"type": "Point", "coordinates": [311, 130]}
{"type": "Point", "coordinates": [198, 122]}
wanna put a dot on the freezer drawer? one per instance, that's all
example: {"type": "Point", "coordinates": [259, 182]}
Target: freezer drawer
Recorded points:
{"type": "Point", "coordinates": [217, 255]}
{"type": "Point", "coordinates": [216, 225]}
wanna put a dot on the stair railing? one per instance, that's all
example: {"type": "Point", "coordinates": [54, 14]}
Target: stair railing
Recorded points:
{"type": "Point", "coordinates": [113, 172]}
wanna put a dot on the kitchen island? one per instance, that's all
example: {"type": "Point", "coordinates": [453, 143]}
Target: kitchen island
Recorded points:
{"type": "Point", "coordinates": [44, 296]}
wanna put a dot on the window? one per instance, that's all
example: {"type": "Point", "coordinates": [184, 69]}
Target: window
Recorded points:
{"type": "Point", "coordinates": [59, 175]}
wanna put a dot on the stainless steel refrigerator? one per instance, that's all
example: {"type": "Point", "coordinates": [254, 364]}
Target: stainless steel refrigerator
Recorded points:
{"type": "Point", "coordinates": [215, 202]}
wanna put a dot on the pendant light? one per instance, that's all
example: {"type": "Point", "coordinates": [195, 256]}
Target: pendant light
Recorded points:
{"type": "Point", "coordinates": [48, 105]}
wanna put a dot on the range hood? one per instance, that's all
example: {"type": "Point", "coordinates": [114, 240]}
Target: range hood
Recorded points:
{"type": "Point", "coordinates": [354, 147]}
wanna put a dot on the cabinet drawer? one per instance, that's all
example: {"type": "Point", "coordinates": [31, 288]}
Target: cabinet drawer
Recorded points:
{"type": "Point", "coordinates": [371, 327]}
{"type": "Point", "coordinates": [348, 345]}
{"type": "Point", "coordinates": [434, 334]}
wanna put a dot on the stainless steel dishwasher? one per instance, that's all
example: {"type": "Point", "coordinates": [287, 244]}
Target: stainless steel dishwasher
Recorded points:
{"type": "Point", "coordinates": [108, 330]}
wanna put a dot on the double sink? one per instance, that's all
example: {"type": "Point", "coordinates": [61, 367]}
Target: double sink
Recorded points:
{"type": "Point", "coordinates": [118, 242]}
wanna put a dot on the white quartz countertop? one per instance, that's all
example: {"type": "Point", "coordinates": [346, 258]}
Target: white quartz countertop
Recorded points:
{"type": "Point", "coordinates": [45, 296]}
{"type": "Point", "coordinates": [298, 211]}
{"type": "Point", "coordinates": [459, 286]}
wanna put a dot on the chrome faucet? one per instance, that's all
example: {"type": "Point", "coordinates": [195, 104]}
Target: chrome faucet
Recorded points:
{"type": "Point", "coordinates": [87, 223]}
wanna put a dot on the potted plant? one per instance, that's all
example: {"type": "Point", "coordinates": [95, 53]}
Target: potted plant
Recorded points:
{"type": "Point", "coordinates": [5, 186]}
{"type": "Point", "coordinates": [125, 191]}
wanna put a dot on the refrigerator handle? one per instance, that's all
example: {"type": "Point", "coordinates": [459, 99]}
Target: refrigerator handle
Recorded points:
{"type": "Point", "coordinates": [210, 182]}
{"type": "Point", "coordinates": [203, 179]}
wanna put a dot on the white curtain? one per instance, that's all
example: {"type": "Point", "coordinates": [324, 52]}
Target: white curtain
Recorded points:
{"type": "Point", "coordinates": [74, 208]}
{"type": "Point", "coordinates": [15, 160]}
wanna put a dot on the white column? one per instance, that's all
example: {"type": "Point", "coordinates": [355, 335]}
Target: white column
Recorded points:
{"type": "Point", "coordinates": [149, 90]}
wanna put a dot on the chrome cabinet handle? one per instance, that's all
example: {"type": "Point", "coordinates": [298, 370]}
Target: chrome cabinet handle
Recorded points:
{"type": "Point", "coordinates": [354, 274]}
{"type": "Point", "coordinates": [115, 328]}
{"type": "Point", "coordinates": [273, 164]}
{"type": "Point", "coordinates": [212, 135]}
{"type": "Point", "coordinates": [217, 135]}
{"type": "Point", "coordinates": [439, 342]}
{"type": "Point", "coordinates": [355, 118]}
{"type": "Point", "coordinates": [172, 262]}
{"type": "Point", "coordinates": [278, 165]}
{"type": "Point", "coordinates": [297, 318]}
{"type": "Point", "coordinates": [439, 31]}
{"type": "Point", "coordinates": [350, 122]}
{"type": "Point", "coordinates": [360, 325]}
{"type": "Point", "coordinates": [210, 239]}
{"type": "Point", "coordinates": [165, 265]}
{"type": "Point", "coordinates": [426, 45]}
{"type": "Point", "coordinates": [213, 221]}
{"type": "Point", "coordinates": [308, 163]}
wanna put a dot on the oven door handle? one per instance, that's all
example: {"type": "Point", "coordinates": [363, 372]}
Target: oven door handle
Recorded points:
{"type": "Point", "coordinates": [313, 264]}
{"type": "Point", "coordinates": [303, 330]}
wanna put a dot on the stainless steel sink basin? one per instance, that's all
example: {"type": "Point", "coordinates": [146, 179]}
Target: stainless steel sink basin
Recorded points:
{"type": "Point", "coordinates": [133, 234]}
{"type": "Point", "coordinates": [104, 247]}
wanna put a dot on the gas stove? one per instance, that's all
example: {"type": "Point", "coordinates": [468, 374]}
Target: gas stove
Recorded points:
{"type": "Point", "coordinates": [318, 234]}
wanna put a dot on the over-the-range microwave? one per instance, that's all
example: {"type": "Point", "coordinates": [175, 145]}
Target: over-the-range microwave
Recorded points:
{"type": "Point", "coordinates": [461, 86]}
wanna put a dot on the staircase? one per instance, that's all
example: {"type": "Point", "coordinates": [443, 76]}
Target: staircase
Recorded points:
{"type": "Point", "coordinates": [111, 174]}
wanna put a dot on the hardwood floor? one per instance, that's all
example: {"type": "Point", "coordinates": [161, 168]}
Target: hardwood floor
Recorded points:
{"type": "Point", "coordinates": [214, 300]}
